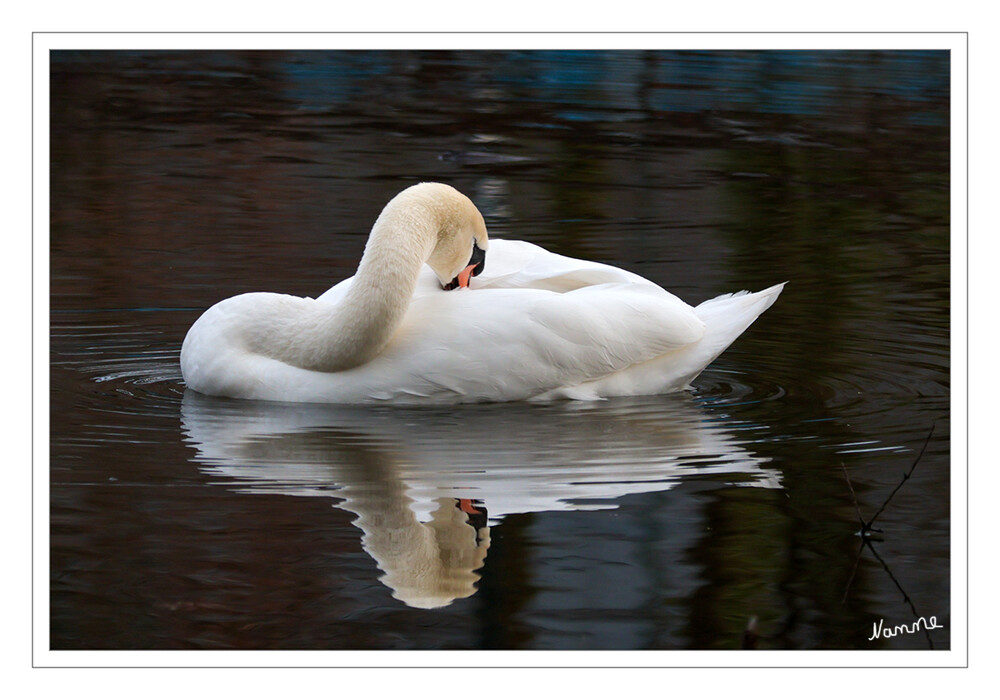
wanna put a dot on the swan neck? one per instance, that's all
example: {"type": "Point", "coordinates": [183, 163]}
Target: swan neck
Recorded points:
{"type": "Point", "coordinates": [399, 244]}
{"type": "Point", "coordinates": [337, 337]}
{"type": "Point", "coordinates": [369, 314]}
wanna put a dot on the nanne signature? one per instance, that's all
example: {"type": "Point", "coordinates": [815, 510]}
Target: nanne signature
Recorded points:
{"type": "Point", "coordinates": [879, 630]}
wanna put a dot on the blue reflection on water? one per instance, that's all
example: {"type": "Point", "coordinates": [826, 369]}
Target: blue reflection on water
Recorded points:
{"type": "Point", "coordinates": [775, 82]}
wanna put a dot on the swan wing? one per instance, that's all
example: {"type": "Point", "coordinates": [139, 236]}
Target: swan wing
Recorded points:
{"type": "Point", "coordinates": [493, 344]}
{"type": "Point", "coordinates": [533, 322]}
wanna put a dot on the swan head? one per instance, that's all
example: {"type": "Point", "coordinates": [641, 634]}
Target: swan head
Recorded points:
{"type": "Point", "coordinates": [459, 252]}
{"type": "Point", "coordinates": [433, 223]}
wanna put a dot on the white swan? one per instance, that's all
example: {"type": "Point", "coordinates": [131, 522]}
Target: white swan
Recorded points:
{"type": "Point", "coordinates": [534, 325]}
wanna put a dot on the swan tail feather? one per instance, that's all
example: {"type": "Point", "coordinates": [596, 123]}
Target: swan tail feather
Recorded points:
{"type": "Point", "coordinates": [726, 317]}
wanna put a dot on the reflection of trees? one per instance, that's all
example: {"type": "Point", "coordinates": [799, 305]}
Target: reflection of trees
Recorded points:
{"type": "Point", "coordinates": [849, 202]}
{"type": "Point", "coordinates": [149, 156]}
{"type": "Point", "coordinates": [841, 221]}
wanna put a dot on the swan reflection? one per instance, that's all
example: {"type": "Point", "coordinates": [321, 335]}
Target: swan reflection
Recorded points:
{"type": "Point", "coordinates": [428, 483]}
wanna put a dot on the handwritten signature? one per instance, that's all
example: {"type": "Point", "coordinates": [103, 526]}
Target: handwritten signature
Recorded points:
{"type": "Point", "coordinates": [879, 629]}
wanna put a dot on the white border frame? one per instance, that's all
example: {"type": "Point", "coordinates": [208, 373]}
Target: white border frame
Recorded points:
{"type": "Point", "coordinates": [956, 42]}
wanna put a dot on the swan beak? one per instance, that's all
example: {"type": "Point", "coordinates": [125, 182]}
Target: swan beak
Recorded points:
{"type": "Point", "coordinates": [465, 275]}
{"type": "Point", "coordinates": [476, 264]}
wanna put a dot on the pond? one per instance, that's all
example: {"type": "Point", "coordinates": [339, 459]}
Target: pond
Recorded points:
{"type": "Point", "coordinates": [722, 517]}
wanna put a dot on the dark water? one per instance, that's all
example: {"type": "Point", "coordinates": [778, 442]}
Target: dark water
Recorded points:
{"type": "Point", "coordinates": [184, 522]}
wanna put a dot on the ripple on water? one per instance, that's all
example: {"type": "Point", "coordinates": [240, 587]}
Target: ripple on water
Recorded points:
{"type": "Point", "coordinates": [126, 362]}
{"type": "Point", "coordinates": [117, 365]}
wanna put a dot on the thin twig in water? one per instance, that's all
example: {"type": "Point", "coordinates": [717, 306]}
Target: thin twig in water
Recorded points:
{"type": "Point", "coordinates": [866, 526]}
{"type": "Point", "coordinates": [905, 477]}
{"type": "Point", "coordinates": [867, 529]}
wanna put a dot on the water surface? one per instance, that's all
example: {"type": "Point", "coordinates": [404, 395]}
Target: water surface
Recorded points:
{"type": "Point", "coordinates": [180, 521]}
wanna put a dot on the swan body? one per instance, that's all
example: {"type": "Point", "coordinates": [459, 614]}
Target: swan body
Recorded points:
{"type": "Point", "coordinates": [534, 324]}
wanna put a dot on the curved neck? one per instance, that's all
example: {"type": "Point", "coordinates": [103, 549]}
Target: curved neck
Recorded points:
{"type": "Point", "coordinates": [382, 288]}
{"type": "Point", "coordinates": [332, 338]}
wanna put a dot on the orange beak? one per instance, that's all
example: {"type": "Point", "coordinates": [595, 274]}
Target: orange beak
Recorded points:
{"type": "Point", "coordinates": [465, 275]}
